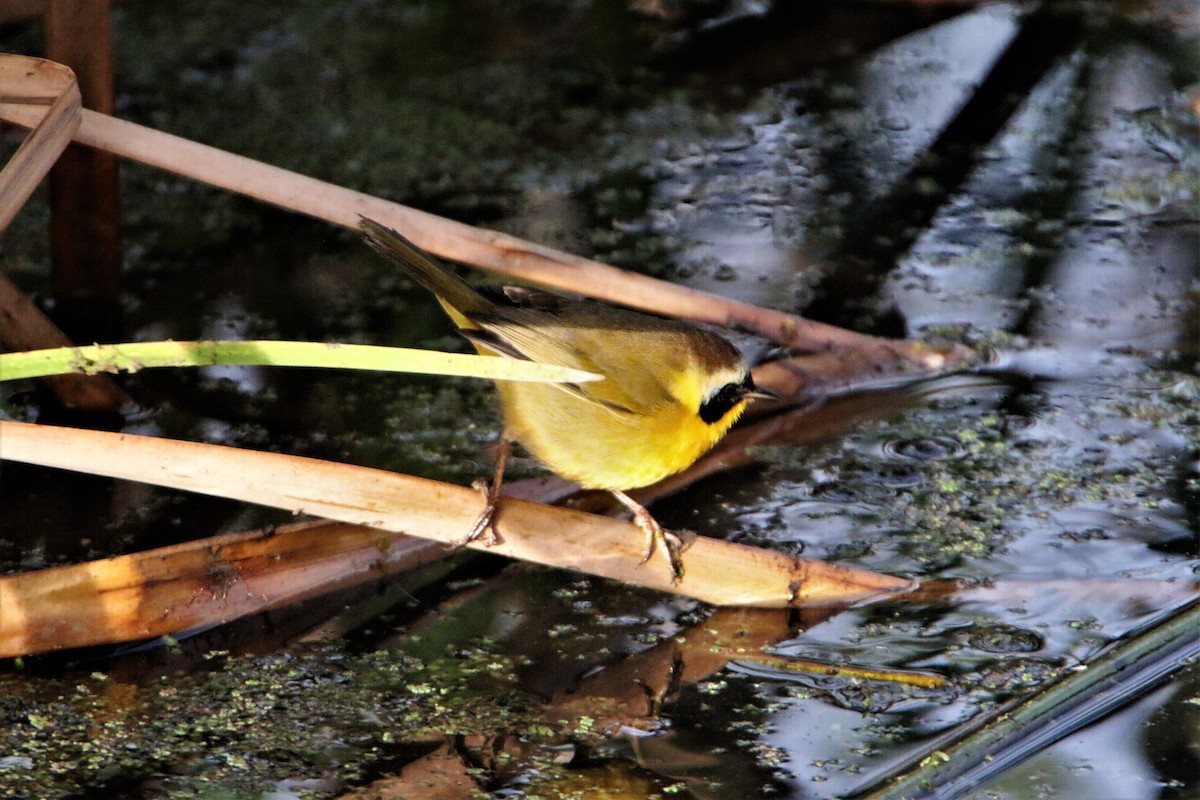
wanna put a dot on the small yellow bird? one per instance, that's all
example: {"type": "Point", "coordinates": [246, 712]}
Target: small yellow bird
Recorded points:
{"type": "Point", "coordinates": [670, 391]}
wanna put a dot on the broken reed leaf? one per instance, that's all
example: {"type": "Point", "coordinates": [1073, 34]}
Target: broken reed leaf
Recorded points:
{"type": "Point", "coordinates": [131, 357]}
{"type": "Point", "coordinates": [185, 586]}
{"type": "Point", "coordinates": [963, 758]}
{"type": "Point", "coordinates": [921, 680]}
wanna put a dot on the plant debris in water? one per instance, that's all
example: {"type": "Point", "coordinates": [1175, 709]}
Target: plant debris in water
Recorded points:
{"type": "Point", "coordinates": [950, 501]}
{"type": "Point", "coordinates": [316, 716]}
{"type": "Point", "coordinates": [1069, 477]}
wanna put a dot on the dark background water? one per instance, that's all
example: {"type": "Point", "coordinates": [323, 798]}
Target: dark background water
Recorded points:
{"type": "Point", "coordinates": [1020, 181]}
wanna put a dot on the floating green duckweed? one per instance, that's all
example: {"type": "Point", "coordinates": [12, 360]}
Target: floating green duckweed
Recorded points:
{"type": "Point", "coordinates": [314, 715]}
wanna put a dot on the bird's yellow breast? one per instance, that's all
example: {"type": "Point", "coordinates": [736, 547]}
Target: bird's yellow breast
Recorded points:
{"type": "Point", "coordinates": [603, 448]}
{"type": "Point", "coordinates": [669, 394]}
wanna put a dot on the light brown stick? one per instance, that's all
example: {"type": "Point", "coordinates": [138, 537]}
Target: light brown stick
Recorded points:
{"type": "Point", "coordinates": [500, 252]}
{"type": "Point", "coordinates": [717, 572]}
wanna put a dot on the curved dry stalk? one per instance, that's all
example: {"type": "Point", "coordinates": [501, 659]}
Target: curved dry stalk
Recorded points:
{"type": "Point", "coordinates": [49, 92]}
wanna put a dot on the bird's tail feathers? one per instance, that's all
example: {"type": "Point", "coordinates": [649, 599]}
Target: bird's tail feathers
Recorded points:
{"type": "Point", "coordinates": [456, 295]}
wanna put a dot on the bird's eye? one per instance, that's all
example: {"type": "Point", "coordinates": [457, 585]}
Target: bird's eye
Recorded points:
{"type": "Point", "coordinates": [718, 404]}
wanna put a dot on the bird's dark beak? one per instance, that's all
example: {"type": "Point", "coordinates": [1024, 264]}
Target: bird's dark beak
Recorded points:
{"type": "Point", "coordinates": [752, 392]}
{"type": "Point", "coordinates": [761, 394]}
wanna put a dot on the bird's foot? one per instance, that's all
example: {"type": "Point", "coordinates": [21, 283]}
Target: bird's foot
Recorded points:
{"type": "Point", "coordinates": [657, 536]}
{"type": "Point", "coordinates": [484, 528]}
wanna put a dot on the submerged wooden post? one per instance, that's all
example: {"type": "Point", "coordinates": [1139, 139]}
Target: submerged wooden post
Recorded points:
{"type": "Point", "coordinates": [84, 206]}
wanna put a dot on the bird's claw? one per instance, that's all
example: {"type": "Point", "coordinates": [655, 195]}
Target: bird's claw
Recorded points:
{"type": "Point", "coordinates": [655, 536]}
{"type": "Point", "coordinates": [484, 527]}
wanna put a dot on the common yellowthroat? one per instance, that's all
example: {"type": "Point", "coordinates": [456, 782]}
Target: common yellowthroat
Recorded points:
{"type": "Point", "coordinates": [670, 391]}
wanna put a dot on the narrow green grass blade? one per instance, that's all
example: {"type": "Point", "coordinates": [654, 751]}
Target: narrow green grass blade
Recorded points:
{"type": "Point", "coordinates": [957, 764]}
{"type": "Point", "coordinates": [131, 357]}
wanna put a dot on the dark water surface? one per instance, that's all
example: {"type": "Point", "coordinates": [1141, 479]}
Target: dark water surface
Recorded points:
{"type": "Point", "coordinates": [1023, 183]}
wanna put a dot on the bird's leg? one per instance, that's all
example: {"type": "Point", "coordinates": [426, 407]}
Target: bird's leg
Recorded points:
{"type": "Point", "coordinates": [655, 535]}
{"type": "Point", "coordinates": [486, 522]}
